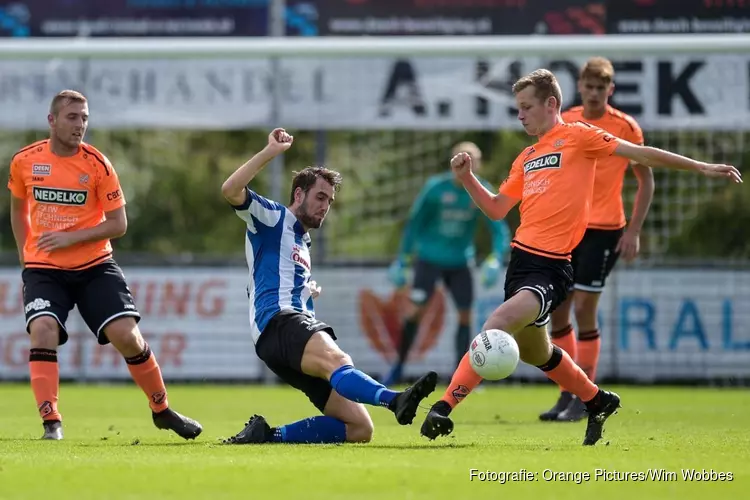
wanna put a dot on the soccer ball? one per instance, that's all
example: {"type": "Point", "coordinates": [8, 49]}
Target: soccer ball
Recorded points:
{"type": "Point", "coordinates": [494, 354]}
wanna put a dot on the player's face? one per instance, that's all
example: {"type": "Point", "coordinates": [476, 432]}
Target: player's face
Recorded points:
{"type": "Point", "coordinates": [594, 93]}
{"type": "Point", "coordinates": [535, 115]}
{"type": "Point", "coordinates": [69, 126]}
{"type": "Point", "coordinates": [315, 206]}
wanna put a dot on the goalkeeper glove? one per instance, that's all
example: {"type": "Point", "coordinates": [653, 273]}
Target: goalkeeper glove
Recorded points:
{"type": "Point", "coordinates": [490, 271]}
{"type": "Point", "coordinates": [397, 272]}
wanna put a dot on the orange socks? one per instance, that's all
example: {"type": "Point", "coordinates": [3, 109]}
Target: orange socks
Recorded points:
{"type": "Point", "coordinates": [464, 380]}
{"type": "Point", "coordinates": [565, 339]}
{"type": "Point", "coordinates": [45, 382]}
{"type": "Point", "coordinates": [561, 369]}
{"type": "Point", "coordinates": [589, 345]}
{"type": "Point", "coordinates": [146, 373]}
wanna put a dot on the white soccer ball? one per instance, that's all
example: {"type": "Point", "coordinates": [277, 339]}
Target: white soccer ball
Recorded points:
{"type": "Point", "coordinates": [494, 354]}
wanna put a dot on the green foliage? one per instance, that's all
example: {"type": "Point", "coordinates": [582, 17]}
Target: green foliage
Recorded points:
{"type": "Point", "coordinates": [172, 182]}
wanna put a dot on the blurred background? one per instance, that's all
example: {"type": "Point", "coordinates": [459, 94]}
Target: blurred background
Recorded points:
{"type": "Point", "coordinates": [175, 127]}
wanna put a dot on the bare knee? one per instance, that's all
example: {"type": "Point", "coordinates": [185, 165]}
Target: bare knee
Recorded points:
{"type": "Point", "coordinates": [534, 347]}
{"type": "Point", "coordinates": [124, 335]}
{"type": "Point", "coordinates": [464, 317]}
{"type": "Point", "coordinates": [360, 430]}
{"type": "Point", "coordinates": [45, 333]}
{"type": "Point", "coordinates": [585, 310]}
{"type": "Point", "coordinates": [560, 317]}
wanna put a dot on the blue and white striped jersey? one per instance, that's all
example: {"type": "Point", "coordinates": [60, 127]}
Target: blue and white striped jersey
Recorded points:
{"type": "Point", "coordinates": [277, 249]}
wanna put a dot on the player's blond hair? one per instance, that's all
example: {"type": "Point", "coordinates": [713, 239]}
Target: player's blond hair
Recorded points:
{"type": "Point", "coordinates": [63, 98]}
{"type": "Point", "coordinates": [468, 147]}
{"type": "Point", "coordinates": [545, 85]}
{"type": "Point", "coordinates": [599, 68]}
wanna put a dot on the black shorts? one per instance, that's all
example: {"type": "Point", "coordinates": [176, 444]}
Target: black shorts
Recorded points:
{"type": "Point", "coordinates": [100, 293]}
{"type": "Point", "coordinates": [458, 280]}
{"type": "Point", "coordinates": [549, 278]}
{"type": "Point", "coordinates": [281, 346]}
{"type": "Point", "coordinates": [594, 258]}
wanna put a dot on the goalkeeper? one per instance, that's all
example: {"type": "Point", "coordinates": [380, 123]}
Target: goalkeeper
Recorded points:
{"type": "Point", "coordinates": [439, 236]}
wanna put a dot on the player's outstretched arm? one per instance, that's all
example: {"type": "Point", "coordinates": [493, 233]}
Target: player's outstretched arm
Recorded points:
{"type": "Point", "coordinates": [233, 188]}
{"type": "Point", "coordinates": [654, 157]}
{"type": "Point", "coordinates": [19, 222]}
{"type": "Point", "coordinates": [494, 206]}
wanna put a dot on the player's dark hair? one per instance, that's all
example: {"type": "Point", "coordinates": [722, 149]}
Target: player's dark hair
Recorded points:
{"type": "Point", "coordinates": [544, 83]}
{"type": "Point", "coordinates": [63, 98]}
{"type": "Point", "coordinates": [599, 68]}
{"type": "Point", "coordinates": [307, 177]}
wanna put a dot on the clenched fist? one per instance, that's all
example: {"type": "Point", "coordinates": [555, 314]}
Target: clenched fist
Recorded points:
{"type": "Point", "coordinates": [279, 141]}
{"type": "Point", "coordinates": [461, 165]}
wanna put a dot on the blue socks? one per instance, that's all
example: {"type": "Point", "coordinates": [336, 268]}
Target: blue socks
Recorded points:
{"type": "Point", "coordinates": [313, 430]}
{"type": "Point", "coordinates": [360, 388]}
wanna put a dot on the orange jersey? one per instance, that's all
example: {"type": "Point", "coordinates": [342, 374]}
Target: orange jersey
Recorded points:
{"type": "Point", "coordinates": [607, 210]}
{"type": "Point", "coordinates": [554, 180]}
{"type": "Point", "coordinates": [65, 194]}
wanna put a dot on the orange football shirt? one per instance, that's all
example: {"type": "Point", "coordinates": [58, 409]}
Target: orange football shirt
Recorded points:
{"type": "Point", "coordinates": [554, 180]}
{"type": "Point", "coordinates": [607, 211]}
{"type": "Point", "coordinates": [65, 194]}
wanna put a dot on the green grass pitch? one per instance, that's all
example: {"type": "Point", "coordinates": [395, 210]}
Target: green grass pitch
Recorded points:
{"type": "Point", "coordinates": [112, 450]}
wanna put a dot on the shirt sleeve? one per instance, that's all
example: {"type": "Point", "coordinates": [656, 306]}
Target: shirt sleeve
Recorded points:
{"type": "Point", "coordinates": [513, 185]}
{"type": "Point", "coordinates": [15, 181]}
{"type": "Point", "coordinates": [258, 208]}
{"type": "Point", "coordinates": [596, 143]}
{"type": "Point", "coordinates": [108, 189]}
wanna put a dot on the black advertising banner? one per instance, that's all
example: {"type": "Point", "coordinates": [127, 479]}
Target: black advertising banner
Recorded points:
{"type": "Point", "coordinates": [443, 17]}
{"type": "Point", "coordinates": [139, 18]}
{"type": "Point", "coordinates": [637, 17]}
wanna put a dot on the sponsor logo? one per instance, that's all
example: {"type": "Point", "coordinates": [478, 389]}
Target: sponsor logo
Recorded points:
{"type": "Point", "coordinates": [486, 342]}
{"type": "Point", "coordinates": [159, 397]}
{"type": "Point", "coordinates": [297, 258]}
{"type": "Point", "coordinates": [479, 359]}
{"type": "Point", "coordinates": [460, 392]}
{"type": "Point", "coordinates": [58, 196]}
{"type": "Point", "coordinates": [114, 195]}
{"type": "Point", "coordinates": [552, 160]}
{"type": "Point", "coordinates": [83, 179]}
{"type": "Point", "coordinates": [41, 169]}
{"type": "Point", "coordinates": [37, 305]}
{"type": "Point", "coordinates": [45, 409]}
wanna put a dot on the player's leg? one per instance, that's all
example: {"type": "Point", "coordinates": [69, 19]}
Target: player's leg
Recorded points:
{"type": "Point", "coordinates": [342, 420]}
{"type": "Point", "coordinates": [323, 358]}
{"type": "Point", "coordinates": [512, 316]}
{"type": "Point", "coordinates": [460, 283]}
{"type": "Point", "coordinates": [107, 306]}
{"type": "Point", "coordinates": [563, 336]}
{"type": "Point", "coordinates": [47, 303]}
{"type": "Point", "coordinates": [597, 259]}
{"type": "Point", "coordinates": [534, 346]}
{"type": "Point", "coordinates": [423, 286]}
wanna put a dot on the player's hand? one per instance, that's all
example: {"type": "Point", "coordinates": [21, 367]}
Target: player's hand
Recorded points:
{"type": "Point", "coordinates": [490, 271]}
{"type": "Point", "coordinates": [629, 245]}
{"type": "Point", "coordinates": [279, 141]}
{"type": "Point", "coordinates": [461, 165]}
{"type": "Point", "coordinates": [720, 170]}
{"type": "Point", "coordinates": [397, 273]}
{"type": "Point", "coordinates": [314, 289]}
{"type": "Point", "coordinates": [55, 241]}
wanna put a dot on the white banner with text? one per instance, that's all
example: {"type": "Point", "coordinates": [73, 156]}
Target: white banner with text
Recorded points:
{"type": "Point", "coordinates": [665, 324]}
{"type": "Point", "coordinates": [709, 91]}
